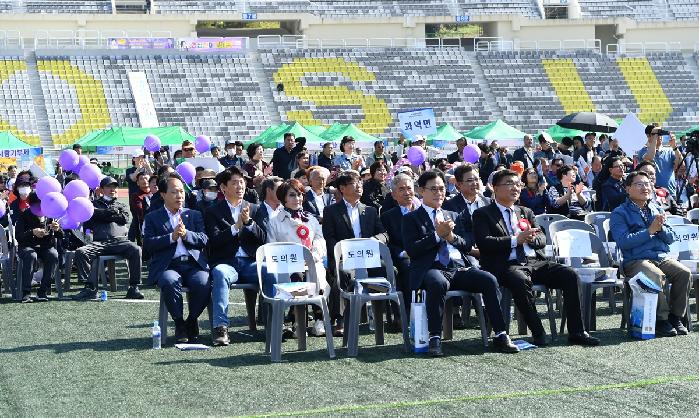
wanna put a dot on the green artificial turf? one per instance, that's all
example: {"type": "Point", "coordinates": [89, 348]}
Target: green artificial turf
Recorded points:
{"type": "Point", "coordinates": [66, 358]}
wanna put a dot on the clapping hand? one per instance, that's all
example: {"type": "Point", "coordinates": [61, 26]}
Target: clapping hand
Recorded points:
{"type": "Point", "coordinates": [39, 232]}
{"type": "Point", "coordinates": [657, 224]}
{"type": "Point", "coordinates": [54, 226]}
{"type": "Point", "coordinates": [444, 229]}
{"type": "Point", "coordinates": [179, 231]}
{"type": "Point", "coordinates": [578, 188]}
{"type": "Point", "coordinates": [243, 218]}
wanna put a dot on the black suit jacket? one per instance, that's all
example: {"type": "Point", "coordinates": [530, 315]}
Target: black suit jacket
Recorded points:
{"type": "Point", "coordinates": [492, 237]}
{"type": "Point", "coordinates": [337, 227]}
{"type": "Point", "coordinates": [521, 155]}
{"type": "Point", "coordinates": [223, 245]}
{"type": "Point", "coordinates": [421, 245]}
{"type": "Point", "coordinates": [261, 217]}
{"type": "Point", "coordinates": [156, 240]}
{"type": "Point", "coordinates": [454, 157]}
{"type": "Point", "coordinates": [457, 204]}
{"type": "Point", "coordinates": [392, 219]}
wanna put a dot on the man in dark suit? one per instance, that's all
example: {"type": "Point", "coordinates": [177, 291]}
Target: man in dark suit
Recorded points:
{"type": "Point", "coordinates": [511, 246]}
{"type": "Point", "coordinates": [284, 157]}
{"type": "Point", "coordinates": [270, 205]}
{"type": "Point", "coordinates": [343, 220]}
{"type": "Point", "coordinates": [175, 238]}
{"type": "Point", "coordinates": [526, 154]}
{"type": "Point", "coordinates": [437, 265]}
{"type": "Point", "coordinates": [458, 156]}
{"type": "Point", "coordinates": [317, 198]}
{"type": "Point", "coordinates": [468, 198]}
{"type": "Point", "coordinates": [402, 191]}
{"type": "Point", "coordinates": [234, 237]}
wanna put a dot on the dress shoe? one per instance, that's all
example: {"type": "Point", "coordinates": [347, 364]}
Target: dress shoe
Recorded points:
{"type": "Point", "coordinates": [220, 336]}
{"type": "Point", "coordinates": [582, 338]}
{"type": "Point", "coordinates": [435, 347]}
{"type": "Point", "coordinates": [665, 329]}
{"type": "Point", "coordinates": [27, 298]}
{"type": "Point", "coordinates": [180, 331]}
{"type": "Point", "coordinates": [540, 340]}
{"type": "Point", "coordinates": [458, 322]}
{"type": "Point", "coordinates": [503, 344]}
{"type": "Point", "coordinates": [42, 297]}
{"type": "Point", "coordinates": [287, 333]}
{"type": "Point", "coordinates": [192, 328]}
{"type": "Point", "coordinates": [134, 293]}
{"type": "Point", "coordinates": [677, 324]}
{"type": "Point", "coordinates": [86, 294]}
{"type": "Point", "coordinates": [338, 331]}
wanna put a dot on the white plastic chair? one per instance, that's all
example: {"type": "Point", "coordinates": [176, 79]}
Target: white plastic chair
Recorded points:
{"type": "Point", "coordinates": [693, 215]}
{"type": "Point", "coordinates": [277, 306]}
{"type": "Point", "coordinates": [572, 246]}
{"type": "Point", "coordinates": [689, 258]}
{"type": "Point", "coordinates": [357, 300]}
{"type": "Point", "coordinates": [676, 220]}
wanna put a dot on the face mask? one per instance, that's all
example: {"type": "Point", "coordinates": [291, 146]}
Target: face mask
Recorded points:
{"type": "Point", "coordinates": [210, 195]}
{"type": "Point", "coordinates": [179, 160]}
{"type": "Point", "coordinates": [231, 153]}
{"type": "Point", "coordinates": [24, 191]}
{"type": "Point", "coordinates": [108, 198]}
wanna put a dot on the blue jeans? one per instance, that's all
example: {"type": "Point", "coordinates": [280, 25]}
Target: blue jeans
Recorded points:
{"type": "Point", "coordinates": [241, 270]}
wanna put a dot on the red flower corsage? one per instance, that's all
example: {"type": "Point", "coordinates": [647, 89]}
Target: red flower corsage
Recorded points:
{"type": "Point", "coordinates": [661, 192]}
{"type": "Point", "coordinates": [523, 224]}
{"type": "Point", "coordinates": [302, 231]}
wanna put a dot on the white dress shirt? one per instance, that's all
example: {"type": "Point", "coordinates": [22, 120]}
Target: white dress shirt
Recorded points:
{"type": "Point", "coordinates": [472, 206]}
{"type": "Point", "coordinates": [272, 212]}
{"type": "Point", "coordinates": [510, 222]}
{"type": "Point", "coordinates": [439, 216]}
{"type": "Point", "coordinates": [354, 215]}
{"type": "Point", "coordinates": [318, 198]}
{"type": "Point", "coordinates": [235, 213]}
{"type": "Point", "coordinates": [180, 249]}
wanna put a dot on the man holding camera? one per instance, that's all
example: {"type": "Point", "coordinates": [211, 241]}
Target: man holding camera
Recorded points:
{"type": "Point", "coordinates": [667, 160]}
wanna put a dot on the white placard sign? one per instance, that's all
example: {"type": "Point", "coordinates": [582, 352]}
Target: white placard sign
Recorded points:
{"type": "Point", "coordinates": [282, 259]}
{"type": "Point", "coordinates": [574, 243]}
{"type": "Point", "coordinates": [206, 162]}
{"type": "Point", "coordinates": [145, 109]}
{"type": "Point", "coordinates": [417, 122]}
{"type": "Point", "coordinates": [685, 238]}
{"type": "Point", "coordinates": [630, 134]}
{"type": "Point", "coordinates": [360, 254]}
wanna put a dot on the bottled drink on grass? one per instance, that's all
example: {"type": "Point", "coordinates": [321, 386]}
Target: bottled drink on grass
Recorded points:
{"type": "Point", "coordinates": [155, 332]}
{"type": "Point", "coordinates": [370, 316]}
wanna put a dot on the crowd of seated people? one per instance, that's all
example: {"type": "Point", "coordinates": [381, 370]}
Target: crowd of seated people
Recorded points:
{"type": "Point", "coordinates": [448, 224]}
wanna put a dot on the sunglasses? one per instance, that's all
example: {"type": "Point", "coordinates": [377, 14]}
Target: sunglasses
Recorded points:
{"type": "Point", "coordinates": [187, 149]}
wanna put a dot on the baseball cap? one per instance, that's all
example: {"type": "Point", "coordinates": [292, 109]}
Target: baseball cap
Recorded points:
{"type": "Point", "coordinates": [208, 183]}
{"type": "Point", "coordinates": [107, 181]}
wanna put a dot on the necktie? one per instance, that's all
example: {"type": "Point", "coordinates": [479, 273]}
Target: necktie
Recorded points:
{"type": "Point", "coordinates": [443, 252]}
{"type": "Point", "coordinates": [519, 250]}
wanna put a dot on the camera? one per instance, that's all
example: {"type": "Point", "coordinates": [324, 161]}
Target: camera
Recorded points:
{"type": "Point", "coordinates": [663, 132]}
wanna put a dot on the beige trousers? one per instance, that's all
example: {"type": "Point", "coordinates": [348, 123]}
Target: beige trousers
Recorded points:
{"type": "Point", "coordinates": [670, 271]}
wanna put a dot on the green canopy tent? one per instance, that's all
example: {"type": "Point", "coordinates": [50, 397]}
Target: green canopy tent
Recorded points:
{"type": "Point", "coordinates": [687, 131]}
{"type": "Point", "coordinates": [267, 132]}
{"type": "Point", "coordinates": [315, 129]}
{"type": "Point", "coordinates": [276, 136]}
{"type": "Point", "coordinates": [445, 132]}
{"type": "Point", "coordinates": [133, 137]}
{"type": "Point", "coordinates": [494, 131]}
{"type": "Point", "coordinates": [9, 141]}
{"type": "Point", "coordinates": [337, 131]}
{"type": "Point", "coordinates": [557, 132]}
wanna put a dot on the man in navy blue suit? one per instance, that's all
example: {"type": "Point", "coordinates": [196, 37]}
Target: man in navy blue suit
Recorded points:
{"type": "Point", "coordinates": [175, 238]}
{"type": "Point", "coordinates": [438, 264]}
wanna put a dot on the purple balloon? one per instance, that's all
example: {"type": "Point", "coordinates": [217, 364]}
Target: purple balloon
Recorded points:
{"type": "Point", "coordinates": [67, 223]}
{"type": "Point", "coordinates": [54, 205]}
{"type": "Point", "coordinates": [91, 175]}
{"type": "Point", "coordinates": [68, 159]}
{"type": "Point", "coordinates": [202, 144]}
{"type": "Point", "coordinates": [471, 153]}
{"type": "Point", "coordinates": [186, 171]}
{"type": "Point", "coordinates": [36, 210]}
{"type": "Point", "coordinates": [83, 160]}
{"type": "Point", "coordinates": [416, 155]}
{"type": "Point", "coordinates": [80, 209]}
{"type": "Point", "coordinates": [76, 188]}
{"type": "Point", "coordinates": [152, 143]}
{"type": "Point", "coordinates": [45, 185]}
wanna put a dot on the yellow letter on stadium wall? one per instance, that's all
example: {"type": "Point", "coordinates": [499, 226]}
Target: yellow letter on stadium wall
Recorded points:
{"type": "Point", "coordinates": [7, 69]}
{"type": "Point", "coordinates": [377, 118]}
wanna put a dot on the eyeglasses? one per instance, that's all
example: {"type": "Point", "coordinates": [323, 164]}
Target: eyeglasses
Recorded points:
{"type": "Point", "coordinates": [617, 166]}
{"type": "Point", "coordinates": [511, 184]}
{"type": "Point", "coordinates": [436, 189]}
{"type": "Point", "coordinates": [642, 185]}
{"type": "Point", "coordinates": [187, 149]}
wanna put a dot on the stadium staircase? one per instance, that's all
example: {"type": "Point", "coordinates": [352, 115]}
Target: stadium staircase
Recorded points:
{"type": "Point", "coordinates": [40, 113]}
{"type": "Point", "coordinates": [492, 107]}
{"type": "Point", "coordinates": [263, 84]}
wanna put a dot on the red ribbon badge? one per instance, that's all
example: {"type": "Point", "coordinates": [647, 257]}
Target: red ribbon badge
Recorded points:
{"type": "Point", "coordinates": [523, 224]}
{"type": "Point", "coordinates": [303, 234]}
{"type": "Point", "coordinates": [661, 192]}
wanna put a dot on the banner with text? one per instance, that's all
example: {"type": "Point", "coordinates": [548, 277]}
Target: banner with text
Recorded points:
{"type": "Point", "coordinates": [141, 43]}
{"type": "Point", "coordinates": [211, 44]}
{"type": "Point", "coordinates": [417, 122]}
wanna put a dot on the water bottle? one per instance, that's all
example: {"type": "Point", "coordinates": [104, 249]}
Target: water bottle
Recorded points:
{"type": "Point", "coordinates": [314, 159]}
{"type": "Point", "coordinates": [155, 332]}
{"type": "Point", "coordinates": [370, 316]}
{"type": "Point", "coordinates": [103, 296]}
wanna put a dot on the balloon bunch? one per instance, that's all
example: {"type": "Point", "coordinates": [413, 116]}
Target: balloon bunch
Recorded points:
{"type": "Point", "coordinates": [71, 205]}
